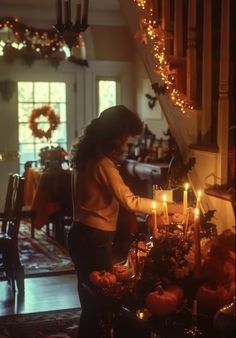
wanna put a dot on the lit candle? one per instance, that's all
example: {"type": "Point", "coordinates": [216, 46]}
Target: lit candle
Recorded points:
{"type": "Point", "coordinates": [199, 194]}
{"type": "Point", "coordinates": [82, 50]}
{"type": "Point", "coordinates": [165, 211]}
{"type": "Point", "coordinates": [185, 198]}
{"type": "Point", "coordinates": [197, 254]}
{"type": "Point", "coordinates": [154, 211]}
{"type": "Point", "coordinates": [185, 221]}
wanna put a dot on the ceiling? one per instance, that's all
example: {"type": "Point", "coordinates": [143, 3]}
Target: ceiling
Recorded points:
{"type": "Point", "coordinates": [43, 12]}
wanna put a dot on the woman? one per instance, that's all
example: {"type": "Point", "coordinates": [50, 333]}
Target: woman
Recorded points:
{"type": "Point", "coordinates": [97, 192]}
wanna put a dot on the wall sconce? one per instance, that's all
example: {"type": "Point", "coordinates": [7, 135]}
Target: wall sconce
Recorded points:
{"type": "Point", "coordinates": [69, 31]}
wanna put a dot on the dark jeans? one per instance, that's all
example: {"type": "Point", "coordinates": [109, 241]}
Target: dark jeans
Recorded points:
{"type": "Point", "coordinates": [90, 249]}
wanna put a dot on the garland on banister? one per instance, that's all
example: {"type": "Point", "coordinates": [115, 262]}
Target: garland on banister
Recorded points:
{"type": "Point", "coordinates": [30, 43]}
{"type": "Point", "coordinates": [150, 29]}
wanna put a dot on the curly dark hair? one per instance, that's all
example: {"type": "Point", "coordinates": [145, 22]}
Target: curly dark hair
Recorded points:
{"type": "Point", "coordinates": [104, 134]}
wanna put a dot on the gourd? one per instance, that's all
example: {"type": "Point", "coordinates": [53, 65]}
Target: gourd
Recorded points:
{"type": "Point", "coordinates": [102, 278]}
{"type": "Point", "coordinates": [162, 302]}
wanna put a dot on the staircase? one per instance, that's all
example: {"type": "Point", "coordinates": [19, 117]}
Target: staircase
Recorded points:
{"type": "Point", "coordinates": [188, 56]}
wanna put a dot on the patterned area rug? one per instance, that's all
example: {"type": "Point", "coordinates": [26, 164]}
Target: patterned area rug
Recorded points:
{"type": "Point", "coordinates": [53, 324]}
{"type": "Point", "coordinates": [42, 255]}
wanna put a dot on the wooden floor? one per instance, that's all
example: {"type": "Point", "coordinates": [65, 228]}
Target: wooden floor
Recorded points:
{"type": "Point", "coordinates": [41, 294]}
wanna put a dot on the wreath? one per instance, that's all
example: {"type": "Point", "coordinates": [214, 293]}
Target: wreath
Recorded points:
{"type": "Point", "coordinates": [52, 117]}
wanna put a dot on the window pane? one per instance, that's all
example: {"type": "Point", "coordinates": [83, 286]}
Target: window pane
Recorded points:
{"type": "Point", "coordinates": [34, 95]}
{"type": "Point", "coordinates": [60, 109]}
{"type": "Point", "coordinates": [25, 134]}
{"type": "Point", "coordinates": [25, 91]}
{"type": "Point", "coordinates": [41, 92]}
{"type": "Point", "coordinates": [24, 110]}
{"type": "Point", "coordinates": [59, 135]}
{"type": "Point", "coordinates": [58, 92]}
{"type": "Point", "coordinates": [27, 153]}
{"type": "Point", "coordinates": [106, 94]}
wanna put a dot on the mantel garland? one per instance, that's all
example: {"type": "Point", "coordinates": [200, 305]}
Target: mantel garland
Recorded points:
{"type": "Point", "coordinates": [30, 44]}
{"type": "Point", "coordinates": [52, 117]}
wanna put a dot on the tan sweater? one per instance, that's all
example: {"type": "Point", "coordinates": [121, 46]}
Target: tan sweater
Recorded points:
{"type": "Point", "coordinates": [97, 193]}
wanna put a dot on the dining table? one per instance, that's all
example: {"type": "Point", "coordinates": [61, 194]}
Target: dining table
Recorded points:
{"type": "Point", "coordinates": [47, 193]}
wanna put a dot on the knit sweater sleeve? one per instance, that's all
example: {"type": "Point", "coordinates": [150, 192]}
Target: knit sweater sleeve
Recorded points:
{"type": "Point", "coordinates": [108, 175]}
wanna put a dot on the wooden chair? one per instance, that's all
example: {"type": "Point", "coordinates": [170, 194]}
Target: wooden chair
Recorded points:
{"type": "Point", "coordinates": [10, 265]}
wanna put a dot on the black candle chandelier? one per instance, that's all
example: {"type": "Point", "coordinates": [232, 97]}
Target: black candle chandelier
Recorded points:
{"type": "Point", "coordinates": [64, 26]}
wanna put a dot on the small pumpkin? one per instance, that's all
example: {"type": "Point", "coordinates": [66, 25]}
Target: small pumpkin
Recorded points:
{"type": "Point", "coordinates": [161, 302]}
{"type": "Point", "coordinates": [102, 278]}
{"type": "Point", "coordinates": [211, 300]}
{"type": "Point", "coordinates": [178, 292]}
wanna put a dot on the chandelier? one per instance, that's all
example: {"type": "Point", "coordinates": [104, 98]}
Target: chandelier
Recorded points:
{"type": "Point", "coordinates": [68, 31]}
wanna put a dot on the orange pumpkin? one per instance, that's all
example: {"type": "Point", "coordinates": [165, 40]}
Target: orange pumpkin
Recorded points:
{"type": "Point", "coordinates": [178, 292]}
{"type": "Point", "coordinates": [161, 303]}
{"type": "Point", "coordinates": [211, 300]}
{"type": "Point", "coordinates": [102, 278]}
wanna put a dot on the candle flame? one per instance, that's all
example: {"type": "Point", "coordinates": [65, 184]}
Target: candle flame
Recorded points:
{"type": "Point", "coordinates": [164, 198]}
{"type": "Point", "coordinates": [197, 212]}
{"type": "Point", "coordinates": [186, 186]}
{"type": "Point", "coordinates": [154, 205]}
{"type": "Point", "coordinates": [199, 193]}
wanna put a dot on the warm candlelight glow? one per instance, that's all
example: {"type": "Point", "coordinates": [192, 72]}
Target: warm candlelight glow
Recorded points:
{"type": "Point", "coordinates": [185, 198]}
{"type": "Point", "coordinates": [199, 194]}
{"type": "Point", "coordinates": [154, 205]}
{"type": "Point", "coordinates": [154, 211]}
{"type": "Point", "coordinates": [186, 186]}
{"type": "Point", "coordinates": [165, 210]}
{"type": "Point", "coordinates": [197, 243]}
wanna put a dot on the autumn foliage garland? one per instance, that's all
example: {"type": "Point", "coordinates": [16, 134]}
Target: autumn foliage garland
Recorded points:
{"type": "Point", "coordinates": [52, 117]}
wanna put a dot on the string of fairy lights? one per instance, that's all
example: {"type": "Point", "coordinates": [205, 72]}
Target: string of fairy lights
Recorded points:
{"type": "Point", "coordinates": [152, 30]}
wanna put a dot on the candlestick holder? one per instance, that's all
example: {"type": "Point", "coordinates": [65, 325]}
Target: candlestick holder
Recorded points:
{"type": "Point", "coordinates": [65, 28]}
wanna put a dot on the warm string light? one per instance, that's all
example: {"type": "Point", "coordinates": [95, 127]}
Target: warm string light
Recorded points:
{"type": "Point", "coordinates": [40, 43]}
{"type": "Point", "coordinates": [155, 33]}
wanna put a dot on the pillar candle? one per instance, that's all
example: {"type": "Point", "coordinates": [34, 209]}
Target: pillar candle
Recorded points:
{"type": "Point", "coordinates": [199, 194]}
{"type": "Point", "coordinates": [165, 210]}
{"type": "Point", "coordinates": [185, 198]}
{"type": "Point", "coordinates": [197, 254]}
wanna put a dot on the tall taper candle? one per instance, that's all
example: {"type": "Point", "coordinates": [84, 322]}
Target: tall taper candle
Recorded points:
{"type": "Point", "coordinates": [85, 13]}
{"type": "Point", "coordinates": [185, 198]}
{"type": "Point", "coordinates": [59, 12]}
{"type": "Point", "coordinates": [197, 254]}
{"type": "Point", "coordinates": [165, 211]}
{"type": "Point", "coordinates": [78, 13]}
{"type": "Point", "coordinates": [199, 194]}
{"type": "Point", "coordinates": [67, 8]}
{"type": "Point", "coordinates": [154, 211]}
